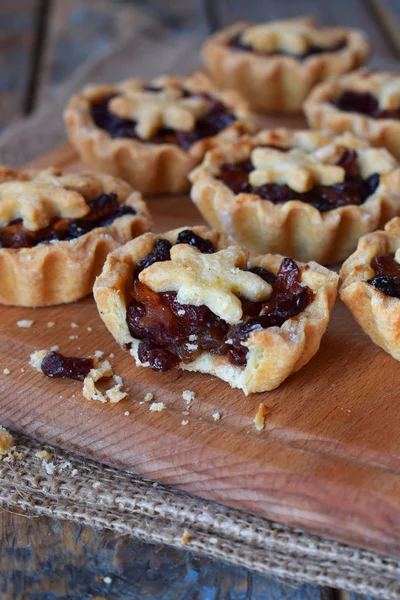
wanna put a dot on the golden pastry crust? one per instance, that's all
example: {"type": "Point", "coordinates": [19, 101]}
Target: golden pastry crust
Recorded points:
{"type": "Point", "coordinates": [377, 313]}
{"type": "Point", "coordinates": [274, 353]}
{"type": "Point", "coordinates": [62, 271]}
{"type": "Point", "coordinates": [385, 86]}
{"type": "Point", "coordinates": [150, 168]}
{"type": "Point", "coordinates": [280, 83]}
{"type": "Point", "coordinates": [295, 228]}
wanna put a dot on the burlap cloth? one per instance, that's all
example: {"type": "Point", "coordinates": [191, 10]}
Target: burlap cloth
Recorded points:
{"type": "Point", "coordinates": [100, 496]}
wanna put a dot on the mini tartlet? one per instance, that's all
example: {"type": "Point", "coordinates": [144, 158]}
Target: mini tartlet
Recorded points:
{"type": "Point", "coordinates": [152, 133]}
{"type": "Point", "coordinates": [193, 300]}
{"type": "Point", "coordinates": [56, 230]}
{"type": "Point", "coordinates": [365, 102]}
{"type": "Point", "coordinates": [304, 194]}
{"type": "Point", "coordinates": [371, 286]}
{"type": "Point", "coordinates": [276, 65]}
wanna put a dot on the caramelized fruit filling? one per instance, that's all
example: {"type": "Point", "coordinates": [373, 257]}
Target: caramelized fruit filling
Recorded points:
{"type": "Point", "coordinates": [354, 189]}
{"type": "Point", "coordinates": [218, 118]}
{"type": "Point", "coordinates": [364, 103]}
{"type": "Point", "coordinates": [171, 332]}
{"type": "Point", "coordinates": [103, 211]}
{"type": "Point", "coordinates": [237, 44]}
{"type": "Point", "coordinates": [55, 364]}
{"type": "Point", "coordinates": [387, 275]}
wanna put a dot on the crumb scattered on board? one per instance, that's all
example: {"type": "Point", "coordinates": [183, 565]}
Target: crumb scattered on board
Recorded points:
{"type": "Point", "coordinates": [50, 323]}
{"type": "Point", "coordinates": [99, 354]}
{"type": "Point", "coordinates": [25, 323]}
{"type": "Point", "coordinates": [259, 419]}
{"type": "Point", "coordinates": [157, 406]}
{"type": "Point", "coordinates": [185, 422]}
{"type": "Point", "coordinates": [188, 396]}
{"type": "Point", "coordinates": [107, 580]}
{"type": "Point", "coordinates": [74, 325]}
{"type": "Point", "coordinates": [73, 337]}
{"type": "Point", "coordinates": [216, 416]}
{"type": "Point", "coordinates": [148, 397]}
{"type": "Point", "coordinates": [185, 537]}
{"type": "Point", "coordinates": [6, 371]}
{"type": "Point", "coordinates": [6, 441]}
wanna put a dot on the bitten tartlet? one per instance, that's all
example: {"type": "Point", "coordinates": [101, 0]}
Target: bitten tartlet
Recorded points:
{"type": "Point", "coordinates": [371, 286]}
{"type": "Point", "coordinates": [191, 299]}
{"type": "Point", "coordinates": [56, 230]}
{"type": "Point", "coordinates": [303, 194]}
{"type": "Point", "coordinates": [275, 65]}
{"type": "Point", "coordinates": [152, 133]}
{"type": "Point", "coordinates": [365, 102]}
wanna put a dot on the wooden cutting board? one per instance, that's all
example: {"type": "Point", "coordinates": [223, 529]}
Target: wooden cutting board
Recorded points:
{"type": "Point", "coordinates": [328, 459]}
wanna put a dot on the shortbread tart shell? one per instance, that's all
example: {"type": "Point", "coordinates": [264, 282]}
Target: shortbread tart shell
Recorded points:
{"type": "Point", "coordinates": [278, 83]}
{"type": "Point", "coordinates": [322, 114]}
{"type": "Point", "coordinates": [377, 313]}
{"type": "Point", "coordinates": [149, 168]}
{"type": "Point", "coordinates": [293, 228]}
{"type": "Point", "coordinates": [274, 353]}
{"type": "Point", "coordinates": [64, 271]}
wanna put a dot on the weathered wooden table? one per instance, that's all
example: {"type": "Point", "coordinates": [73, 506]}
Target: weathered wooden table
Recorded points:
{"type": "Point", "coordinates": [42, 43]}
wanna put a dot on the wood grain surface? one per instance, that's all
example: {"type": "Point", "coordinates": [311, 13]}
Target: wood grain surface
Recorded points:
{"type": "Point", "coordinates": [328, 459]}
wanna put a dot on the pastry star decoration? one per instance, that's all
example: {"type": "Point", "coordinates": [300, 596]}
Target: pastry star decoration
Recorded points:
{"type": "Point", "coordinates": [294, 36]}
{"type": "Point", "coordinates": [214, 280]}
{"type": "Point", "coordinates": [296, 168]}
{"type": "Point", "coordinates": [37, 204]}
{"type": "Point", "coordinates": [164, 108]}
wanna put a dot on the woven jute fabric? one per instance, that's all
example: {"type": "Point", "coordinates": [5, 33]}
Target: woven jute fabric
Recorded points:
{"type": "Point", "coordinates": [94, 494]}
{"type": "Point", "coordinates": [102, 497]}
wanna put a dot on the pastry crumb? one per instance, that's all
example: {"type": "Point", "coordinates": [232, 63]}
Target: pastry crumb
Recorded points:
{"type": "Point", "coordinates": [74, 472]}
{"type": "Point", "coordinates": [45, 454]}
{"type": "Point", "coordinates": [127, 413]}
{"type": "Point", "coordinates": [184, 422]}
{"type": "Point", "coordinates": [188, 396]}
{"type": "Point", "coordinates": [216, 416]}
{"type": "Point", "coordinates": [55, 348]}
{"type": "Point", "coordinates": [107, 580]}
{"type": "Point", "coordinates": [74, 325]}
{"type": "Point", "coordinates": [25, 323]}
{"type": "Point", "coordinates": [22, 370]}
{"type": "Point", "coordinates": [96, 484]}
{"type": "Point", "coordinates": [50, 323]}
{"type": "Point", "coordinates": [113, 394]}
{"type": "Point", "coordinates": [99, 354]}
{"type": "Point", "coordinates": [148, 397]}
{"type": "Point", "coordinates": [49, 467]}
{"type": "Point", "coordinates": [111, 355]}
{"type": "Point", "coordinates": [157, 406]}
{"type": "Point", "coordinates": [35, 359]}
{"type": "Point", "coordinates": [6, 441]}
{"type": "Point", "coordinates": [185, 537]}
{"type": "Point", "coordinates": [73, 337]}
{"type": "Point", "coordinates": [6, 371]}
{"type": "Point", "coordinates": [259, 419]}
{"type": "Point", "coordinates": [89, 328]}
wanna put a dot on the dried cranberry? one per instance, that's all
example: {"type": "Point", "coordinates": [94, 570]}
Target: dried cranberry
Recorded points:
{"type": "Point", "coordinates": [264, 274]}
{"type": "Point", "coordinates": [189, 237]}
{"type": "Point", "coordinates": [55, 364]}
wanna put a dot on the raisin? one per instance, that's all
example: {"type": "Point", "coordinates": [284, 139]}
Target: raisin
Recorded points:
{"type": "Point", "coordinates": [160, 252]}
{"type": "Point", "coordinates": [158, 358]}
{"type": "Point", "coordinates": [189, 237]}
{"type": "Point", "coordinates": [364, 103]}
{"type": "Point", "coordinates": [55, 364]}
{"type": "Point", "coordinates": [387, 275]}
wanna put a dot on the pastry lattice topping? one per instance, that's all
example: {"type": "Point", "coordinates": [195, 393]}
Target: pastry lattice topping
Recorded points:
{"type": "Point", "coordinates": [152, 110]}
{"type": "Point", "coordinates": [214, 280]}
{"type": "Point", "coordinates": [40, 197]}
{"type": "Point", "coordinates": [297, 169]}
{"type": "Point", "coordinates": [294, 36]}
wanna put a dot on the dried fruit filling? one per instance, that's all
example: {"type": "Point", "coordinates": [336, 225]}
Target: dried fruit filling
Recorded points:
{"type": "Point", "coordinates": [103, 212]}
{"type": "Point", "coordinates": [364, 103]}
{"type": "Point", "coordinates": [387, 275]}
{"type": "Point", "coordinates": [171, 332]}
{"type": "Point", "coordinates": [354, 189]}
{"type": "Point", "coordinates": [55, 364]}
{"type": "Point", "coordinates": [237, 44]}
{"type": "Point", "coordinates": [218, 118]}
